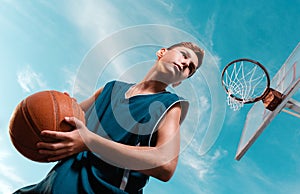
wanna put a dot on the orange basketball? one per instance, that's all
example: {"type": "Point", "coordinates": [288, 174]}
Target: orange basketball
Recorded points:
{"type": "Point", "coordinates": [40, 111]}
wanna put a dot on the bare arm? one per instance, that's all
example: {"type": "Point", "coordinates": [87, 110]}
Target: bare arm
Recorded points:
{"type": "Point", "coordinates": [159, 161]}
{"type": "Point", "coordinates": [169, 137]}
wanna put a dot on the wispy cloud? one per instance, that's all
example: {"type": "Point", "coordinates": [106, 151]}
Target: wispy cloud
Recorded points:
{"type": "Point", "coordinates": [209, 30]}
{"type": "Point", "coordinates": [9, 175]}
{"type": "Point", "coordinates": [197, 172]}
{"type": "Point", "coordinates": [78, 84]}
{"type": "Point", "coordinates": [71, 75]}
{"type": "Point", "coordinates": [94, 19]}
{"type": "Point", "coordinates": [168, 5]}
{"type": "Point", "coordinates": [5, 188]}
{"type": "Point", "coordinates": [95, 25]}
{"type": "Point", "coordinates": [30, 80]}
{"type": "Point", "coordinates": [203, 166]}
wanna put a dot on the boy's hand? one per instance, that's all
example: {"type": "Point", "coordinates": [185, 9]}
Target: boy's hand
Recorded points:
{"type": "Point", "coordinates": [65, 143]}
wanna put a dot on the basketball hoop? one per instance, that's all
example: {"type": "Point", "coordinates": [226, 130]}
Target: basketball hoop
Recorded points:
{"type": "Point", "coordinates": [279, 98]}
{"type": "Point", "coordinates": [247, 81]}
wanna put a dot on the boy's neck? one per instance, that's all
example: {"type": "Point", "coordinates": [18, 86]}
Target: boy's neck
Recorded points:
{"type": "Point", "coordinates": [151, 86]}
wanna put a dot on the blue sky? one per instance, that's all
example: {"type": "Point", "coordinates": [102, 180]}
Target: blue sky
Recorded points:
{"type": "Point", "coordinates": [45, 44]}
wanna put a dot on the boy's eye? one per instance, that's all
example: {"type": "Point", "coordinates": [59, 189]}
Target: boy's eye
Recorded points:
{"type": "Point", "coordinates": [184, 54]}
{"type": "Point", "coordinates": [191, 68]}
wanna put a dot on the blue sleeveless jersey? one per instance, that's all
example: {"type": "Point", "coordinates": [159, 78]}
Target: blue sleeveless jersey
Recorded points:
{"type": "Point", "coordinates": [131, 121]}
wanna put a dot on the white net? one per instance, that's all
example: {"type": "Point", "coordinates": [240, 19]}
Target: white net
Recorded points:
{"type": "Point", "coordinates": [233, 103]}
{"type": "Point", "coordinates": [244, 81]}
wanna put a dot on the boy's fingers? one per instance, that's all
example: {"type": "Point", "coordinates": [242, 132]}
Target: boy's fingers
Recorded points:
{"type": "Point", "coordinates": [74, 121]}
{"type": "Point", "coordinates": [53, 134]}
{"type": "Point", "coordinates": [50, 146]}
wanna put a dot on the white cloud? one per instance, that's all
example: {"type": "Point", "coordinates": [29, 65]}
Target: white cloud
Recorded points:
{"type": "Point", "coordinates": [29, 80]}
{"type": "Point", "coordinates": [70, 74]}
{"type": "Point", "coordinates": [5, 188]}
{"type": "Point", "coordinates": [202, 166]}
{"type": "Point", "coordinates": [78, 83]}
{"type": "Point", "coordinates": [167, 5]}
{"type": "Point", "coordinates": [4, 154]}
{"type": "Point", "coordinates": [94, 18]}
{"type": "Point", "coordinates": [198, 173]}
{"type": "Point", "coordinates": [209, 30]}
{"type": "Point", "coordinates": [10, 173]}
{"type": "Point", "coordinates": [97, 19]}
{"type": "Point", "coordinates": [9, 176]}
{"type": "Point", "coordinates": [204, 103]}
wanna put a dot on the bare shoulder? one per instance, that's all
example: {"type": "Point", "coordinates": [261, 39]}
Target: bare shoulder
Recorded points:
{"type": "Point", "coordinates": [89, 101]}
{"type": "Point", "coordinates": [169, 125]}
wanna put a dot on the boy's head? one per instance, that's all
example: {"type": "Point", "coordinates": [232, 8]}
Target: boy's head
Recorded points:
{"type": "Point", "coordinates": [197, 50]}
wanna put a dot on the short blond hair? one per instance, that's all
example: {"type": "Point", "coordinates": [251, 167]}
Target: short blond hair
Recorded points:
{"type": "Point", "coordinates": [194, 47]}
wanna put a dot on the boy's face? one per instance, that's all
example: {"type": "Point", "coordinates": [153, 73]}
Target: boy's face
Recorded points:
{"type": "Point", "coordinates": [181, 61]}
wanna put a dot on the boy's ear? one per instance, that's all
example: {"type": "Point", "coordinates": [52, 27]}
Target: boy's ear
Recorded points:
{"type": "Point", "coordinates": [176, 84]}
{"type": "Point", "coordinates": [161, 52]}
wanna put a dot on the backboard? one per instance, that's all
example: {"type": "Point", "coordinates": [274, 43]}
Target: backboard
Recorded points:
{"type": "Point", "coordinates": [287, 82]}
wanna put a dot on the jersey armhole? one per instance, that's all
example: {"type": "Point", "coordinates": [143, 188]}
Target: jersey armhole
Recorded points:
{"type": "Point", "coordinates": [184, 109]}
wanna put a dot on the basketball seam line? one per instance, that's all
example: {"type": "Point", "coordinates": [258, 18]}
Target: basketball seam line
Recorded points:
{"type": "Point", "coordinates": [55, 110]}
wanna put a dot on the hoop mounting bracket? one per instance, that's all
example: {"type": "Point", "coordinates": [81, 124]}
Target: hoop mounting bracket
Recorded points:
{"type": "Point", "coordinates": [272, 99]}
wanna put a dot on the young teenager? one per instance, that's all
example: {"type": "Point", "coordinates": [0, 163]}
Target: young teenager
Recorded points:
{"type": "Point", "coordinates": [131, 132]}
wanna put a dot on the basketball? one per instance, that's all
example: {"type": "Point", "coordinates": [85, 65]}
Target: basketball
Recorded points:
{"type": "Point", "coordinates": [43, 110]}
